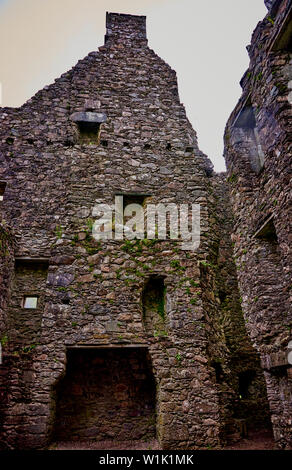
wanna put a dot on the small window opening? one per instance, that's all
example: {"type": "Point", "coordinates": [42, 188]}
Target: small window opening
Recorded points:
{"type": "Point", "coordinates": [104, 143]}
{"type": "Point", "coordinates": [189, 149]}
{"type": "Point", "coordinates": [153, 304]}
{"type": "Point", "coordinates": [134, 199]}
{"type": "Point", "coordinates": [139, 199]}
{"type": "Point", "coordinates": [147, 146]}
{"type": "Point", "coordinates": [218, 371]}
{"type": "Point", "coordinates": [2, 190]}
{"type": "Point", "coordinates": [36, 264]}
{"type": "Point", "coordinates": [208, 172]}
{"type": "Point", "coordinates": [9, 140]}
{"type": "Point", "coordinates": [280, 372]}
{"type": "Point", "coordinates": [89, 131]}
{"type": "Point", "coordinates": [65, 300]}
{"type": "Point", "coordinates": [88, 124]}
{"type": "Point", "coordinates": [244, 382]}
{"type": "Point", "coordinates": [222, 296]}
{"type": "Point", "coordinates": [126, 144]}
{"type": "Point", "coordinates": [139, 224]}
{"type": "Point", "coordinates": [168, 146]}
{"type": "Point", "coordinates": [30, 302]}
{"type": "Point", "coordinates": [267, 230]}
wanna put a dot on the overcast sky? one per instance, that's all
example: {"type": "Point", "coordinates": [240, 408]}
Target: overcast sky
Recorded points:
{"type": "Point", "coordinates": [203, 40]}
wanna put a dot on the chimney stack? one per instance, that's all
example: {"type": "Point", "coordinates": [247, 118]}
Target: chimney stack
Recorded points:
{"type": "Point", "coordinates": [124, 28]}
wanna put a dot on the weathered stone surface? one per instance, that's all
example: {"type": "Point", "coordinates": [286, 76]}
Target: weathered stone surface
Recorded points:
{"type": "Point", "coordinates": [182, 307]}
{"type": "Point", "coordinates": [119, 396]}
{"type": "Point", "coordinates": [261, 202]}
{"type": "Point", "coordinates": [60, 279]}
{"type": "Point", "coordinates": [62, 260]}
{"type": "Point", "coordinates": [88, 117]}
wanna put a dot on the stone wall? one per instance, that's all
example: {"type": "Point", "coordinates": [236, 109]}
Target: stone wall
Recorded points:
{"type": "Point", "coordinates": [258, 153]}
{"type": "Point", "coordinates": [114, 125]}
{"type": "Point", "coordinates": [106, 394]}
{"type": "Point", "coordinates": [6, 270]}
{"type": "Point", "coordinates": [238, 374]}
{"type": "Point", "coordinates": [93, 292]}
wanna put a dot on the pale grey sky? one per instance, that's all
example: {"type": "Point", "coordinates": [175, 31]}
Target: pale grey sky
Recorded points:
{"type": "Point", "coordinates": [203, 40]}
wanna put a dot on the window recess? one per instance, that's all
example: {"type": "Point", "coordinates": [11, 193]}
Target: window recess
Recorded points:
{"type": "Point", "coordinates": [88, 124]}
{"type": "Point", "coordinates": [245, 133]}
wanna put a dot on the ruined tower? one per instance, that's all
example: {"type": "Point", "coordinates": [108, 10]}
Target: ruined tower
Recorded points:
{"type": "Point", "coordinates": [116, 339]}
{"type": "Point", "coordinates": [258, 157]}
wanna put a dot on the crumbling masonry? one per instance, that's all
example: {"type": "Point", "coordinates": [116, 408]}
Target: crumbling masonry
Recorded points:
{"type": "Point", "coordinates": [258, 157]}
{"type": "Point", "coordinates": [139, 339]}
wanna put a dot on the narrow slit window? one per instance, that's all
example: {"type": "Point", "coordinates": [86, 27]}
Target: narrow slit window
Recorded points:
{"type": "Point", "coordinates": [218, 371]}
{"type": "Point", "coordinates": [245, 380]}
{"type": "Point", "coordinates": [30, 302]}
{"type": "Point", "coordinates": [2, 190]}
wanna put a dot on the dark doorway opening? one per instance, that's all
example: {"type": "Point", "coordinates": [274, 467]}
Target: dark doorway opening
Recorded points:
{"type": "Point", "coordinates": [245, 380]}
{"type": "Point", "coordinates": [106, 394]}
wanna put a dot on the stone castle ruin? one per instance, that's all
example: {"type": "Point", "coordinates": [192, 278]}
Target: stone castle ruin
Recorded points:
{"type": "Point", "coordinates": [140, 340]}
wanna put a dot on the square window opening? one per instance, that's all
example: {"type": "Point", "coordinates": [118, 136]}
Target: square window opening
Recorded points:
{"type": "Point", "coordinates": [129, 212]}
{"type": "Point", "coordinates": [88, 125]}
{"type": "Point", "coordinates": [89, 131]}
{"type": "Point", "coordinates": [30, 302]}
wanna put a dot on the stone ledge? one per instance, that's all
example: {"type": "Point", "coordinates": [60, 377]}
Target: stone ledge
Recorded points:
{"type": "Point", "coordinates": [274, 360]}
{"type": "Point", "coordinates": [88, 117]}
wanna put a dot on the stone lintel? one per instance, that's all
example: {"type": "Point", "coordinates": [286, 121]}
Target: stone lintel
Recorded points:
{"type": "Point", "coordinates": [274, 360]}
{"type": "Point", "coordinates": [89, 117]}
{"type": "Point", "coordinates": [29, 260]}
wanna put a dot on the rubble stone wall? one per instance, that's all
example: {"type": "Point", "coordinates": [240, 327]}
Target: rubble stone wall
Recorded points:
{"type": "Point", "coordinates": [93, 291]}
{"type": "Point", "coordinates": [114, 125]}
{"type": "Point", "coordinates": [261, 201]}
{"type": "Point", "coordinates": [6, 270]}
{"type": "Point", "coordinates": [106, 394]}
{"type": "Point", "coordinates": [239, 376]}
